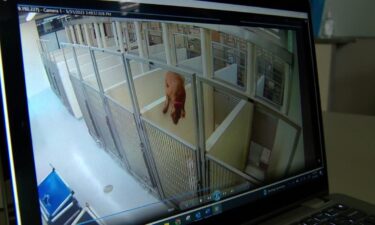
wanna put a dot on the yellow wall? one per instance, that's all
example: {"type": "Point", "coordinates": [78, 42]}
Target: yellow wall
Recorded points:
{"type": "Point", "coordinates": [230, 141]}
{"type": "Point", "coordinates": [281, 151]}
{"type": "Point", "coordinates": [150, 87]}
{"type": "Point", "coordinates": [121, 95]}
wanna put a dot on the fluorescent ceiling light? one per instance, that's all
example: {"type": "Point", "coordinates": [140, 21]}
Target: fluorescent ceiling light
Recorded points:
{"type": "Point", "coordinates": [30, 16]}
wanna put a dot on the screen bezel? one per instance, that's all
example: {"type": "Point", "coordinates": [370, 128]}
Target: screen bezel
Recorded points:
{"type": "Point", "coordinates": [15, 103]}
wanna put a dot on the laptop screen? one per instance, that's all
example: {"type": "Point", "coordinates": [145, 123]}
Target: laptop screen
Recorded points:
{"type": "Point", "coordinates": [166, 114]}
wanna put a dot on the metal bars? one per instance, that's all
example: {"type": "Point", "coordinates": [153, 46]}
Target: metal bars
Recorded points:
{"type": "Point", "coordinates": [125, 125]}
{"type": "Point", "coordinates": [221, 178]}
{"type": "Point", "coordinates": [176, 165]}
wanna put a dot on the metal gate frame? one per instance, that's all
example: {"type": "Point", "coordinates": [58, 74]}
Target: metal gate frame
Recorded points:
{"type": "Point", "coordinates": [98, 135]}
{"type": "Point", "coordinates": [235, 172]}
{"type": "Point", "coordinates": [109, 116]}
{"type": "Point", "coordinates": [145, 145]}
{"type": "Point", "coordinates": [175, 198]}
{"type": "Point", "coordinates": [146, 182]}
{"type": "Point", "coordinates": [52, 72]}
{"type": "Point", "coordinates": [140, 120]}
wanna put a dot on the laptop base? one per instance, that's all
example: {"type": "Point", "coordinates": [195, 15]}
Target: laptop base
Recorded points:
{"type": "Point", "coordinates": [301, 213]}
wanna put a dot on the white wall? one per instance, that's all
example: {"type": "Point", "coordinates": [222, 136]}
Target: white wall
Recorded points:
{"type": "Point", "coordinates": [36, 78]}
{"type": "Point", "coordinates": [155, 49]}
{"type": "Point", "coordinates": [228, 74]}
{"type": "Point", "coordinates": [194, 64]}
{"type": "Point", "coordinates": [351, 18]}
{"type": "Point", "coordinates": [65, 79]}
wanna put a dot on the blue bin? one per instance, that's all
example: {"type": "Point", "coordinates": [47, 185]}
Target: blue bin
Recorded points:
{"type": "Point", "coordinates": [56, 199]}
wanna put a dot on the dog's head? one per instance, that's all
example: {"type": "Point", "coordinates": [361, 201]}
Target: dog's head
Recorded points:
{"type": "Point", "coordinates": [176, 111]}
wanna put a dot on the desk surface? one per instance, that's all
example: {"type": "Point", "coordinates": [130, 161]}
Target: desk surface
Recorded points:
{"type": "Point", "coordinates": [350, 147]}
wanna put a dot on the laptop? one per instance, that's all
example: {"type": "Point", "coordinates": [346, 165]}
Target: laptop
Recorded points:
{"type": "Point", "coordinates": [167, 112]}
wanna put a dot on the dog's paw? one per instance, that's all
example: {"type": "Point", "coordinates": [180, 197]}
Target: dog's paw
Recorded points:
{"type": "Point", "coordinates": [165, 110]}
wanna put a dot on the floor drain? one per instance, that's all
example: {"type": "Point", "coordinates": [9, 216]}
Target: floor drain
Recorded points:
{"type": "Point", "coordinates": [108, 188]}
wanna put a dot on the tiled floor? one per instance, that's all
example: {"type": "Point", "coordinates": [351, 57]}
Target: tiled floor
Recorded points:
{"type": "Point", "coordinates": [62, 141]}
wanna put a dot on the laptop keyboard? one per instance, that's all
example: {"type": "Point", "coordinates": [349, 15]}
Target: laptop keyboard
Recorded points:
{"type": "Point", "coordinates": [338, 214]}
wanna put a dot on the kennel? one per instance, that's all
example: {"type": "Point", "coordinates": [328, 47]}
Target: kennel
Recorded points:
{"type": "Point", "coordinates": [256, 61]}
{"type": "Point", "coordinates": [121, 96]}
{"type": "Point", "coordinates": [176, 150]}
{"type": "Point", "coordinates": [154, 41]}
{"type": "Point", "coordinates": [89, 90]}
{"type": "Point", "coordinates": [56, 65]}
{"type": "Point", "coordinates": [187, 44]}
{"type": "Point", "coordinates": [83, 31]}
{"type": "Point", "coordinates": [128, 121]}
{"type": "Point", "coordinates": [99, 33]}
{"type": "Point", "coordinates": [56, 68]}
{"type": "Point", "coordinates": [229, 60]}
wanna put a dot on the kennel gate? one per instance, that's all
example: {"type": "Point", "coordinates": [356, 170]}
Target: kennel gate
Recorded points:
{"type": "Point", "coordinates": [178, 179]}
{"type": "Point", "coordinates": [222, 178]}
{"type": "Point", "coordinates": [176, 164]}
{"type": "Point", "coordinates": [47, 68]}
{"type": "Point", "coordinates": [92, 88]}
{"type": "Point", "coordinates": [131, 146]}
{"type": "Point", "coordinates": [60, 87]}
{"type": "Point", "coordinates": [87, 115]}
{"type": "Point", "coordinates": [45, 56]}
{"type": "Point", "coordinates": [123, 120]}
{"type": "Point", "coordinates": [70, 57]}
{"type": "Point", "coordinates": [174, 160]}
{"type": "Point", "coordinates": [52, 72]}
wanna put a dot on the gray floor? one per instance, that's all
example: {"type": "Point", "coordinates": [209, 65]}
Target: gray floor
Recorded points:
{"type": "Point", "coordinates": [64, 142]}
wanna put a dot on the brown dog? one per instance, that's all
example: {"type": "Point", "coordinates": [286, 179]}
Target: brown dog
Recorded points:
{"type": "Point", "coordinates": [175, 94]}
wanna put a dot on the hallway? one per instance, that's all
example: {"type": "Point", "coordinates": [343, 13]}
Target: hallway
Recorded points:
{"type": "Point", "coordinates": [61, 141]}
